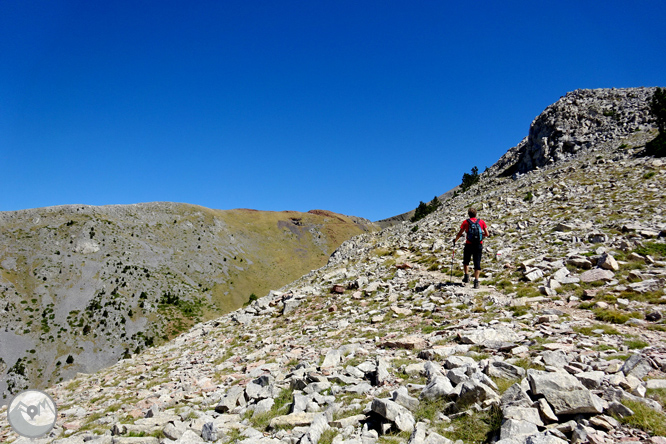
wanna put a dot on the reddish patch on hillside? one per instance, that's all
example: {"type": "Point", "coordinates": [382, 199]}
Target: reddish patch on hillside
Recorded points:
{"type": "Point", "coordinates": [326, 214]}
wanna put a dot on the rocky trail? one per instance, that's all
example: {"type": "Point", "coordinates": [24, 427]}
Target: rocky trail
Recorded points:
{"type": "Point", "coordinates": [564, 342]}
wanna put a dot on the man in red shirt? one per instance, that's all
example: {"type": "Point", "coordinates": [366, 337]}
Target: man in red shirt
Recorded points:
{"type": "Point", "coordinates": [476, 230]}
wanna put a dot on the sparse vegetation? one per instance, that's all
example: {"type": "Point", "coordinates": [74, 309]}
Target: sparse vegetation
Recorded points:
{"type": "Point", "coordinates": [644, 418]}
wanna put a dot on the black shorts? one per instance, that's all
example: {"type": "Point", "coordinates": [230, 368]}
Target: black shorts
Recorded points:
{"type": "Point", "coordinates": [473, 251]}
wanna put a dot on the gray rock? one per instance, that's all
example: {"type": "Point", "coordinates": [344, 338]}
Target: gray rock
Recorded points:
{"type": "Point", "coordinates": [596, 275]}
{"type": "Point", "coordinates": [579, 262]}
{"type": "Point", "coordinates": [516, 396]}
{"type": "Point", "coordinates": [513, 429]}
{"type": "Point", "coordinates": [230, 400]}
{"type": "Point", "coordinates": [501, 369]}
{"type": "Point", "coordinates": [208, 432]}
{"type": "Point", "coordinates": [436, 438]}
{"type": "Point", "coordinates": [637, 365]}
{"type": "Point", "coordinates": [263, 406]}
{"type": "Point", "coordinates": [555, 358]}
{"type": "Point", "coordinates": [555, 381]}
{"type": "Point", "coordinates": [438, 387]}
{"type": "Point", "coordinates": [172, 432]}
{"type": "Point", "coordinates": [291, 305]}
{"type": "Point", "coordinates": [254, 391]}
{"type": "Point", "coordinates": [565, 393]}
{"type": "Point", "coordinates": [458, 361]}
{"type": "Point", "coordinates": [332, 359]}
{"type": "Point", "coordinates": [475, 391]}
{"type": "Point", "coordinates": [656, 384]}
{"type": "Point", "coordinates": [591, 380]}
{"type": "Point", "coordinates": [573, 402]}
{"type": "Point", "coordinates": [189, 437]}
{"type": "Point", "coordinates": [546, 411]}
{"type": "Point", "coordinates": [400, 416]}
{"type": "Point", "coordinates": [608, 262]}
{"type": "Point", "coordinates": [545, 438]}
{"type": "Point", "coordinates": [401, 396]}
{"type": "Point", "coordinates": [619, 409]}
{"type": "Point", "coordinates": [647, 285]}
{"type": "Point", "coordinates": [482, 335]}
{"type": "Point", "coordinates": [528, 414]}
{"type": "Point", "coordinates": [458, 375]}
{"type": "Point", "coordinates": [317, 428]}
{"type": "Point", "coordinates": [533, 274]}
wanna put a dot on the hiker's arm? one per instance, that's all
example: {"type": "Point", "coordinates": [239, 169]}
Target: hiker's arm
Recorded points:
{"type": "Point", "coordinates": [485, 232]}
{"type": "Point", "coordinates": [460, 233]}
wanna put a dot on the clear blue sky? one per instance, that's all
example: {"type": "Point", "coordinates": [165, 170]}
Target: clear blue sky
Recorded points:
{"type": "Point", "coordinates": [359, 107]}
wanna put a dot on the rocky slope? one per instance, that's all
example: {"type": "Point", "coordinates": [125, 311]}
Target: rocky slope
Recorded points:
{"type": "Point", "coordinates": [83, 286]}
{"type": "Point", "coordinates": [563, 342]}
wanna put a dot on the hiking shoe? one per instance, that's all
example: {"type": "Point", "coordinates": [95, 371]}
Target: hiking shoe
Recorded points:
{"type": "Point", "coordinates": [466, 279]}
{"type": "Point", "coordinates": [476, 283]}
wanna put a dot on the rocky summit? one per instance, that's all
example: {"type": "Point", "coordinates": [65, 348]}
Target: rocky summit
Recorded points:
{"type": "Point", "coordinates": [564, 341]}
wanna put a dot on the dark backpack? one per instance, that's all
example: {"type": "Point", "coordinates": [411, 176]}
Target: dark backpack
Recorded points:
{"type": "Point", "coordinates": [474, 233]}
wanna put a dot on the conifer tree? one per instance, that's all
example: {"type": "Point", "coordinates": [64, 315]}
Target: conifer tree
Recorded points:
{"type": "Point", "coordinates": [657, 147]}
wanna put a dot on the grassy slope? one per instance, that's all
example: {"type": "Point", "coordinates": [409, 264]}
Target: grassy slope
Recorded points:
{"type": "Point", "coordinates": [211, 259]}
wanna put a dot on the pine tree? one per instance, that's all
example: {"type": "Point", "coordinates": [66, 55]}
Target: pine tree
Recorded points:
{"type": "Point", "coordinates": [657, 147]}
{"type": "Point", "coordinates": [469, 179]}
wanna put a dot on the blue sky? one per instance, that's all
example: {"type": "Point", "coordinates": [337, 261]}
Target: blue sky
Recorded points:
{"type": "Point", "coordinates": [359, 107]}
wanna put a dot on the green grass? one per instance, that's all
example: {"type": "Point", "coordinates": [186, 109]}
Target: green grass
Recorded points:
{"type": "Point", "coordinates": [657, 327]}
{"type": "Point", "coordinates": [589, 330]}
{"type": "Point", "coordinates": [327, 436]}
{"type": "Point", "coordinates": [527, 292]}
{"type": "Point", "coordinates": [528, 363]}
{"type": "Point", "coordinates": [652, 297]}
{"type": "Point", "coordinates": [479, 427]}
{"type": "Point", "coordinates": [645, 418]}
{"type": "Point", "coordinates": [261, 422]}
{"type": "Point", "coordinates": [504, 384]}
{"type": "Point", "coordinates": [658, 395]}
{"type": "Point", "coordinates": [635, 343]}
{"type": "Point", "coordinates": [611, 315]}
{"type": "Point", "coordinates": [519, 310]}
{"type": "Point", "coordinates": [655, 249]}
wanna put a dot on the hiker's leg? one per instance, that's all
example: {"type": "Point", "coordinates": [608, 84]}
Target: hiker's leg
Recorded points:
{"type": "Point", "coordinates": [467, 256]}
{"type": "Point", "coordinates": [477, 262]}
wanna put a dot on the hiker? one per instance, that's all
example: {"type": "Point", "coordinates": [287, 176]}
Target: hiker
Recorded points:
{"type": "Point", "coordinates": [476, 230]}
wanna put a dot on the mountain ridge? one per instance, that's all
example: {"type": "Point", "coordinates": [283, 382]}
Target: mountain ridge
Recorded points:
{"type": "Point", "coordinates": [565, 340]}
{"type": "Point", "coordinates": [106, 281]}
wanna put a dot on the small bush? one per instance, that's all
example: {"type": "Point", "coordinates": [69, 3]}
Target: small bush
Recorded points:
{"type": "Point", "coordinates": [253, 297]}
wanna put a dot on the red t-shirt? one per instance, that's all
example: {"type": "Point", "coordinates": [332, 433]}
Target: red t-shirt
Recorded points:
{"type": "Point", "coordinates": [464, 227]}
